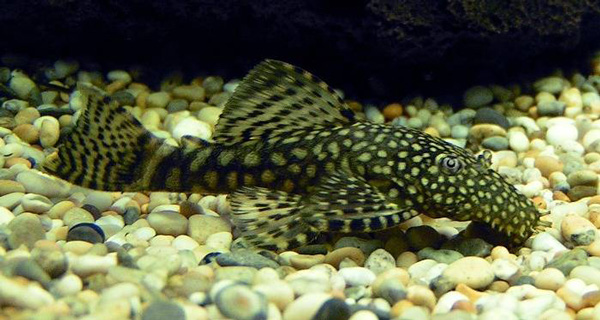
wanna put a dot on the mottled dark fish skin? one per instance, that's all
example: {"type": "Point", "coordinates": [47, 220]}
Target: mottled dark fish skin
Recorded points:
{"type": "Point", "coordinates": [291, 182]}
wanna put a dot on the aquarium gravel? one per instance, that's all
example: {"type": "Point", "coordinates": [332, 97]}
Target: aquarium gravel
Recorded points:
{"type": "Point", "coordinates": [72, 253]}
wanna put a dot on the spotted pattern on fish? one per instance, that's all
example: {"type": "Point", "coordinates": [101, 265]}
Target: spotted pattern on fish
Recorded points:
{"type": "Point", "coordinates": [296, 162]}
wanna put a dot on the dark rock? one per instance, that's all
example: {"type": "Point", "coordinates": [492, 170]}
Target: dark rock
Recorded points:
{"type": "Point", "coordinates": [489, 115]}
{"type": "Point", "coordinates": [469, 246]}
{"type": "Point", "coordinates": [245, 258]}
{"type": "Point", "coordinates": [93, 210]}
{"type": "Point", "coordinates": [442, 255]}
{"type": "Point", "coordinates": [131, 215]}
{"type": "Point", "coordinates": [160, 310]}
{"type": "Point", "coordinates": [88, 232]}
{"type": "Point", "coordinates": [125, 98]}
{"type": "Point", "coordinates": [569, 260]}
{"type": "Point", "coordinates": [422, 237]}
{"type": "Point", "coordinates": [333, 309]}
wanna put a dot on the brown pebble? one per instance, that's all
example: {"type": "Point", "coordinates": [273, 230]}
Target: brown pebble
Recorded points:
{"type": "Point", "coordinates": [499, 286]}
{"type": "Point", "coordinates": [469, 292]}
{"type": "Point", "coordinates": [539, 202]}
{"type": "Point", "coordinates": [421, 296]}
{"type": "Point", "coordinates": [559, 195]}
{"type": "Point", "coordinates": [336, 256]}
{"type": "Point", "coordinates": [406, 259]}
{"type": "Point", "coordinates": [12, 161]}
{"type": "Point", "coordinates": [354, 105]}
{"type": "Point", "coordinates": [392, 111]}
{"type": "Point", "coordinates": [27, 115]}
{"type": "Point", "coordinates": [399, 307]}
{"type": "Point", "coordinates": [547, 165]}
{"type": "Point", "coordinates": [140, 100]}
{"type": "Point", "coordinates": [115, 86]}
{"type": "Point", "coordinates": [27, 132]}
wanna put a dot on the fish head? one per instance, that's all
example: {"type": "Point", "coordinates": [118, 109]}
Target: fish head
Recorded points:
{"type": "Point", "coordinates": [461, 186]}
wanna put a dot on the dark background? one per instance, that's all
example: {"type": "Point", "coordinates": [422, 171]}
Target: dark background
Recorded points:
{"type": "Point", "coordinates": [372, 49]}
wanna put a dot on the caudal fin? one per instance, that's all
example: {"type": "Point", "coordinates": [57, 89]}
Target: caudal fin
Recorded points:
{"type": "Point", "coordinates": [106, 147]}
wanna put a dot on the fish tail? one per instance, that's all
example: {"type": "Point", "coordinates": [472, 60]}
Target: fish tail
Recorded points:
{"type": "Point", "coordinates": [106, 148]}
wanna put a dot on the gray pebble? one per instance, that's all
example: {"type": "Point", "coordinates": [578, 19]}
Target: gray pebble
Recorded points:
{"type": "Point", "coordinates": [478, 96]}
{"type": "Point", "coordinates": [380, 261]}
{"type": "Point", "coordinates": [550, 84]}
{"type": "Point", "coordinates": [454, 315]}
{"type": "Point", "coordinates": [442, 255]}
{"type": "Point", "coordinates": [239, 302]}
{"type": "Point", "coordinates": [54, 262]}
{"type": "Point", "coordinates": [469, 246]}
{"type": "Point", "coordinates": [161, 310]}
{"type": "Point", "coordinates": [496, 143]}
{"type": "Point", "coordinates": [489, 115]}
{"type": "Point", "coordinates": [459, 132]}
{"type": "Point", "coordinates": [580, 192]}
{"type": "Point", "coordinates": [523, 280]}
{"type": "Point", "coordinates": [88, 232]}
{"type": "Point", "coordinates": [25, 229]}
{"type": "Point", "coordinates": [356, 293]}
{"type": "Point", "coordinates": [392, 290]}
{"type": "Point", "coordinates": [333, 309]}
{"type": "Point", "coordinates": [212, 85]}
{"type": "Point", "coordinates": [463, 117]}
{"type": "Point", "coordinates": [176, 105]}
{"type": "Point", "coordinates": [572, 163]}
{"type": "Point", "coordinates": [27, 268]}
{"type": "Point", "coordinates": [246, 258]}
{"type": "Point", "coordinates": [422, 237]}
{"type": "Point", "coordinates": [551, 108]}
{"type": "Point", "coordinates": [131, 215]}
{"type": "Point", "coordinates": [569, 260]}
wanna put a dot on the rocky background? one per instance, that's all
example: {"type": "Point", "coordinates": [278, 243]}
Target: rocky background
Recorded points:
{"type": "Point", "coordinates": [369, 48]}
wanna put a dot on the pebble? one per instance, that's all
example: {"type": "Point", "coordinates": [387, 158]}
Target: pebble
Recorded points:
{"type": "Point", "coordinates": [518, 141]}
{"type": "Point", "coordinates": [495, 143]}
{"type": "Point", "coordinates": [22, 86]}
{"type": "Point", "coordinates": [568, 260]}
{"type": "Point", "coordinates": [6, 216]}
{"type": "Point", "coordinates": [278, 292]}
{"type": "Point", "coordinates": [505, 269]}
{"type": "Point", "coordinates": [335, 257]}
{"type": "Point", "coordinates": [392, 111]}
{"type": "Point", "coordinates": [43, 185]}
{"type": "Point", "coordinates": [552, 85]}
{"type": "Point", "coordinates": [442, 255]}
{"type": "Point", "coordinates": [478, 96]}
{"type": "Point", "coordinates": [475, 272]}
{"type": "Point", "coordinates": [380, 261]}
{"type": "Point", "coordinates": [23, 294]}
{"type": "Point", "coordinates": [305, 261]}
{"type": "Point", "coordinates": [192, 127]}
{"type": "Point", "coordinates": [560, 133]}
{"type": "Point", "coordinates": [158, 100]}
{"type": "Point", "coordinates": [11, 200]}
{"type": "Point", "coordinates": [35, 203]}
{"type": "Point", "coordinates": [306, 306]}
{"type": "Point", "coordinates": [77, 215]}
{"type": "Point", "coordinates": [168, 222]}
{"type": "Point", "coordinates": [239, 302]}
{"type": "Point", "coordinates": [550, 279]}
{"type": "Point", "coordinates": [551, 108]}
{"type": "Point", "coordinates": [190, 92]}
{"type": "Point", "coordinates": [547, 165]}
{"type": "Point", "coordinates": [424, 236]}
{"type": "Point", "coordinates": [50, 258]}
{"type": "Point", "coordinates": [160, 310]}
{"type": "Point", "coordinates": [357, 276]}
{"type": "Point", "coordinates": [87, 232]}
{"type": "Point", "coordinates": [209, 115]}
{"type": "Point", "coordinates": [578, 230]}
{"type": "Point", "coordinates": [220, 240]}
{"type": "Point", "coordinates": [366, 246]}
{"type": "Point", "coordinates": [212, 85]}
{"type": "Point", "coordinates": [26, 229]}
{"type": "Point", "coordinates": [489, 115]}
{"type": "Point", "coordinates": [49, 133]}
{"type": "Point", "coordinates": [333, 309]}
{"type": "Point", "coordinates": [246, 258]}
{"type": "Point", "coordinates": [9, 186]}
{"type": "Point", "coordinates": [200, 227]}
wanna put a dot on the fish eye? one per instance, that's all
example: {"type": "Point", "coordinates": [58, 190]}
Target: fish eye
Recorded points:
{"type": "Point", "coordinates": [451, 164]}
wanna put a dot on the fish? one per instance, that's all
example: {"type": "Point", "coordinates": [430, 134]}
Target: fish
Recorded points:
{"type": "Point", "coordinates": [296, 161]}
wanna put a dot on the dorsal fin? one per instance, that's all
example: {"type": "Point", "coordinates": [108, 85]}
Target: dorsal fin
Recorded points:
{"type": "Point", "coordinates": [277, 98]}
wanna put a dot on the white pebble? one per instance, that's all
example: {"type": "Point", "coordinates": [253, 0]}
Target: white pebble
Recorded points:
{"type": "Point", "coordinates": [87, 265]}
{"type": "Point", "coordinates": [505, 269]}
{"type": "Point", "coordinates": [69, 284]}
{"type": "Point", "coordinates": [518, 141]}
{"type": "Point", "coordinates": [447, 301]}
{"type": "Point", "coordinates": [6, 216]}
{"type": "Point", "coordinates": [119, 75]}
{"type": "Point", "coordinates": [546, 242]}
{"type": "Point", "coordinates": [220, 240]}
{"type": "Point", "coordinates": [144, 233]}
{"type": "Point", "coordinates": [192, 127]}
{"type": "Point", "coordinates": [561, 132]}
{"type": "Point", "coordinates": [357, 276]}
{"type": "Point", "coordinates": [184, 242]}
{"type": "Point", "coordinates": [36, 203]}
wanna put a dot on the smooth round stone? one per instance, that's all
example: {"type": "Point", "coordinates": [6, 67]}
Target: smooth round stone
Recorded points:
{"type": "Point", "coordinates": [190, 92]}
{"type": "Point", "coordinates": [380, 261]}
{"type": "Point", "coordinates": [583, 177]}
{"type": "Point", "coordinates": [552, 85]}
{"type": "Point", "coordinates": [559, 133]}
{"type": "Point", "coordinates": [357, 276]}
{"type": "Point", "coordinates": [23, 294]}
{"type": "Point", "coordinates": [160, 310]}
{"type": "Point", "coordinates": [578, 230]}
{"type": "Point", "coordinates": [551, 109]}
{"type": "Point", "coordinates": [77, 215]}
{"type": "Point", "coordinates": [51, 259]}
{"type": "Point", "coordinates": [495, 143]}
{"type": "Point", "coordinates": [391, 289]}
{"type": "Point", "coordinates": [373, 114]}
{"type": "Point", "coordinates": [366, 246]}
{"type": "Point", "coordinates": [26, 229]}
{"type": "Point", "coordinates": [192, 127]}
{"type": "Point", "coordinates": [119, 75]}
{"type": "Point", "coordinates": [36, 203]}
{"type": "Point", "coordinates": [459, 132]}
{"type": "Point", "coordinates": [11, 200]}
{"type": "Point", "coordinates": [364, 315]}
{"type": "Point", "coordinates": [305, 261]}
{"type": "Point", "coordinates": [523, 103]}
{"type": "Point", "coordinates": [49, 133]}
{"type": "Point", "coordinates": [335, 257]}
{"type": "Point", "coordinates": [478, 96]}
{"type": "Point", "coordinates": [220, 240]}
{"type": "Point", "coordinates": [184, 242]}
{"type": "Point", "coordinates": [28, 269]}
{"type": "Point", "coordinates": [201, 227]}
{"type": "Point", "coordinates": [333, 309]}
{"type": "Point", "coordinates": [474, 272]}
{"type": "Point", "coordinates": [568, 260]}
{"type": "Point", "coordinates": [589, 275]}
{"type": "Point", "coordinates": [6, 216]}
{"type": "Point", "coordinates": [168, 222]}
{"type": "Point", "coordinates": [546, 242]}
{"type": "Point", "coordinates": [158, 100]}
{"type": "Point", "coordinates": [212, 85]}
{"type": "Point", "coordinates": [10, 186]}
{"type": "Point", "coordinates": [489, 115]}
{"type": "Point", "coordinates": [27, 132]}
{"type": "Point", "coordinates": [68, 285]}
{"type": "Point", "coordinates": [590, 138]}
{"type": "Point", "coordinates": [550, 279]}
{"type": "Point", "coordinates": [246, 258]}
{"type": "Point", "coordinates": [442, 255]}
{"type": "Point", "coordinates": [100, 200]}
{"type": "Point", "coordinates": [547, 165]}
{"type": "Point", "coordinates": [505, 269]}
{"type": "Point", "coordinates": [22, 86]}
{"type": "Point", "coordinates": [43, 185]}
{"type": "Point", "coordinates": [424, 236]}
{"type": "Point", "coordinates": [486, 130]}
{"type": "Point", "coordinates": [87, 232]}
{"type": "Point", "coordinates": [209, 114]}
{"type": "Point", "coordinates": [305, 307]}
{"type": "Point", "coordinates": [236, 273]}
{"type": "Point", "coordinates": [277, 292]}
{"type": "Point", "coordinates": [241, 303]}
{"type": "Point", "coordinates": [518, 141]}
{"type": "Point", "coordinates": [177, 105]}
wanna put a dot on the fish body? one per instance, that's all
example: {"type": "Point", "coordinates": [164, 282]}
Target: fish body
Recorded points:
{"type": "Point", "coordinates": [296, 162]}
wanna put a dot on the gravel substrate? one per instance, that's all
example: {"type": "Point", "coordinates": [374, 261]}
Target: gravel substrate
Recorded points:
{"type": "Point", "coordinates": [71, 253]}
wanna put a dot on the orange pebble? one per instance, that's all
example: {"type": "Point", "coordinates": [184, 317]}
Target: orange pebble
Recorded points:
{"type": "Point", "coordinates": [354, 105]}
{"type": "Point", "coordinates": [399, 307]}
{"type": "Point", "coordinates": [392, 111]}
{"type": "Point", "coordinates": [470, 293]}
{"type": "Point", "coordinates": [12, 161]}
{"type": "Point", "coordinates": [539, 202]}
{"type": "Point", "coordinates": [559, 195]}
